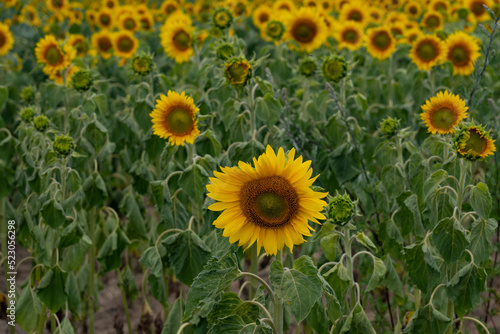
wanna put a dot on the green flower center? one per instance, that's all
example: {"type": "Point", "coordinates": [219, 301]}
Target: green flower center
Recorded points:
{"type": "Point", "coordinates": [304, 31]}
{"type": "Point", "coordinates": [355, 16]}
{"type": "Point", "coordinates": [105, 19]}
{"type": "Point", "coordinates": [129, 24]}
{"type": "Point", "coordinates": [413, 10]}
{"type": "Point", "coordinates": [334, 71]}
{"type": "Point", "coordinates": [443, 119]}
{"type": "Point", "coordinates": [459, 55]}
{"type": "Point", "coordinates": [53, 55]}
{"type": "Point", "coordinates": [182, 40]}
{"type": "Point", "coordinates": [179, 121]}
{"type": "Point", "coordinates": [350, 36]}
{"type": "Point", "coordinates": [222, 19]}
{"type": "Point", "coordinates": [170, 9]}
{"type": "Point", "coordinates": [104, 44]}
{"type": "Point", "coordinates": [432, 22]}
{"type": "Point", "coordinates": [269, 201]}
{"type": "Point", "coordinates": [274, 30]}
{"type": "Point", "coordinates": [237, 72]}
{"type": "Point", "coordinates": [57, 3]}
{"type": "Point", "coordinates": [440, 7]}
{"type": "Point", "coordinates": [427, 51]}
{"type": "Point", "coordinates": [125, 44]}
{"type": "Point", "coordinates": [476, 142]}
{"type": "Point", "coordinates": [81, 47]}
{"type": "Point", "coordinates": [382, 40]}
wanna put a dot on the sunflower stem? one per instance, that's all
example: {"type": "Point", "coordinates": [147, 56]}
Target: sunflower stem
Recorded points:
{"type": "Point", "coordinates": [278, 315]}
{"type": "Point", "coordinates": [92, 218]}
{"type": "Point", "coordinates": [350, 271]}
{"type": "Point", "coordinates": [254, 266]}
{"type": "Point", "coordinates": [124, 299]}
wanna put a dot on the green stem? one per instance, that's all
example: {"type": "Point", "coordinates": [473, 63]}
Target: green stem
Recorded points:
{"type": "Point", "coordinates": [350, 271]}
{"type": "Point", "coordinates": [389, 81]}
{"type": "Point", "coordinates": [278, 315]}
{"type": "Point", "coordinates": [92, 218]}
{"type": "Point", "coordinates": [254, 266]}
{"type": "Point", "coordinates": [124, 299]}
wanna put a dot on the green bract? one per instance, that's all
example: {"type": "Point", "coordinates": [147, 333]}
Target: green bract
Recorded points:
{"type": "Point", "coordinates": [334, 68]}
{"type": "Point", "coordinates": [341, 209]}
{"type": "Point", "coordinates": [307, 67]}
{"type": "Point", "coordinates": [142, 65]}
{"type": "Point", "coordinates": [41, 123]}
{"type": "Point", "coordinates": [389, 127]}
{"type": "Point", "coordinates": [82, 80]}
{"type": "Point", "coordinates": [63, 145]}
{"type": "Point", "coordinates": [27, 114]}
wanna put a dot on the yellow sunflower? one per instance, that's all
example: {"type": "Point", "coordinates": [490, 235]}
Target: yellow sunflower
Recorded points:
{"type": "Point", "coordinates": [49, 52]}
{"type": "Point", "coordinates": [105, 19]}
{"type": "Point", "coordinates": [147, 21]}
{"type": "Point", "coordinates": [270, 203]}
{"type": "Point", "coordinates": [375, 14]}
{"type": "Point", "coordinates": [413, 9]}
{"type": "Point", "coordinates": [168, 7]}
{"type": "Point", "coordinates": [6, 39]}
{"type": "Point", "coordinates": [305, 29]}
{"type": "Point", "coordinates": [443, 112]}
{"type": "Point", "coordinates": [102, 41]}
{"type": "Point", "coordinates": [175, 118]}
{"type": "Point", "coordinates": [29, 15]}
{"type": "Point", "coordinates": [462, 50]}
{"type": "Point", "coordinates": [129, 22]}
{"type": "Point", "coordinates": [57, 6]}
{"type": "Point", "coordinates": [476, 7]}
{"type": "Point", "coordinates": [261, 16]}
{"type": "Point", "coordinates": [442, 6]}
{"type": "Point", "coordinates": [380, 43]}
{"type": "Point", "coordinates": [432, 21]}
{"type": "Point", "coordinates": [79, 43]}
{"type": "Point", "coordinates": [349, 35]}
{"type": "Point", "coordinates": [427, 51]}
{"type": "Point", "coordinates": [473, 142]}
{"type": "Point", "coordinates": [412, 35]}
{"type": "Point", "coordinates": [125, 44]}
{"type": "Point", "coordinates": [110, 4]}
{"type": "Point", "coordinates": [353, 11]}
{"type": "Point", "coordinates": [177, 40]}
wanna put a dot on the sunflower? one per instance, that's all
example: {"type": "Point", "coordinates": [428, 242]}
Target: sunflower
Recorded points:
{"type": "Point", "coordinates": [57, 6]}
{"type": "Point", "coordinates": [102, 41]}
{"type": "Point", "coordinates": [29, 15]}
{"type": "Point", "coordinates": [175, 118]}
{"type": "Point", "coordinates": [443, 112]}
{"type": "Point", "coordinates": [129, 21]}
{"type": "Point", "coordinates": [222, 17]}
{"type": "Point", "coordinates": [6, 39]}
{"type": "Point", "coordinates": [177, 40]}
{"type": "Point", "coordinates": [380, 43]}
{"type": "Point", "coordinates": [270, 203]}
{"type": "Point", "coordinates": [473, 142]}
{"type": "Point", "coordinates": [168, 7]}
{"type": "Point", "coordinates": [398, 31]}
{"type": "Point", "coordinates": [353, 11]}
{"type": "Point", "coordinates": [284, 5]}
{"type": "Point", "coordinates": [261, 16]}
{"type": "Point", "coordinates": [349, 35]}
{"type": "Point", "coordinates": [79, 43]}
{"type": "Point", "coordinates": [413, 9]}
{"type": "Point", "coordinates": [275, 30]}
{"type": "Point", "coordinates": [238, 7]}
{"type": "Point", "coordinates": [49, 52]}
{"type": "Point", "coordinates": [462, 50]}
{"type": "Point", "coordinates": [105, 19]}
{"type": "Point", "coordinates": [125, 44]}
{"type": "Point", "coordinates": [441, 6]}
{"type": "Point", "coordinates": [412, 35]}
{"type": "Point", "coordinates": [147, 21]}
{"type": "Point", "coordinates": [432, 21]}
{"type": "Point", "coordinates": [305, 29]}
{"type": "Point", "coordinates": [476, 7]}
{"type": "Point", "coordinates": [237, 71]}
{"type": "Point", "coordinates": [427, 51]}
{"type": "Point", "coordinates": [375, 14]}
{"type": "Point", "coordinates": [110, 4]}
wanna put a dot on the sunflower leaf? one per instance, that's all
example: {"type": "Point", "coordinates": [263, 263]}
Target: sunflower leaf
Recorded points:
{"type": "Point", "coordinates": [480, 199]}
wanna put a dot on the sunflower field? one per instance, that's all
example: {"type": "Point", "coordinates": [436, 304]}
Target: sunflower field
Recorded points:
{"type": "Point", "coordinates": [240, 167]}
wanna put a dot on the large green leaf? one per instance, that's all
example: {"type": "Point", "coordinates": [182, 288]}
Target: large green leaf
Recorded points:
{"type": "Point", "coordinates": [465, 288]}
{"type": "Point", "coordinates": [53, 213]}
{"type": "Point", "coordinates": [230, 304]}
{"type": "Point", "coordinates": [480, 239]}
{"type": "Point", "coordinates": [51, 289]}
{"type": "Point", "coordinates": [422, 267]}
{"type": "Point", "coordinates": [136, 225]}
{"type": "Point", "coordinates": [4, 94]}
{"type": "Point", "coordinates": [28, 308]}
{"type": "Point", "coordinates": [433, 182]}
{"type": "Point", "coordinates": [339, 280]}
{"type": "Point", "coordinates": [377, 274]}
{"type": "Point", "coordinates": [299, 287]}
{"type": "Point", "coordinates": [234, 324]}
{"type": "Point", "coordinates": [268, 109]}
{"type": "Point", "coordinates": [174, 318]}
{"type": "Point", "coordinates": [427, 320]}
{"type": "Point", "coordinates": [95, 190]}
{"type": "Point", "coordinates": [450, 239]}
{"type": "Point", "coordinates": [73, 293]}
{"type": "Point", "coordinates": [392, 281]}
{"type": "Point", "coordinates": [357, 322]}
{"type": "Point", "coordinates": [193, 181]}
{"type": "Point", "coordinates": [110, 253]}
{"type": "Point", "coordinates": [480, 199]}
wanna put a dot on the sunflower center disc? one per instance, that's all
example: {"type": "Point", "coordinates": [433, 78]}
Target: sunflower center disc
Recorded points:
{"type": "Point", "coordinates": [237, 72]}
{"type": "Point", "coordinates": [459, 55]}
{"type": "Point", "coordinates": [304, 31]}
{"type": "Point", "coordinates": [381, 41]}
{"type": "Point", "coordinates": [476, 143]}
{"type": "Point", "coordinates": [105, 19]}
{"type": "Point", "coordinates": [443, 118]}
{"type": "Point", "coordinates": [355, 16]}
{"type": "Point", "coordinates": [274, 30]}
{"type": "Point", "coordinates": [104, 44]}
{"type": "Point", "coordinates": [129, 24]}
{"type": "Point", "coordinates": [179, 121]}
{"type": "Point", "coordinates": [263, 18]}
{"type": "Point", "coordinates": [432, 22]}
{"type": "Point", "coordinates": [182, 40]}
{"type": "Point", "coordinates": [269, 201]}
{"type": "Point", "coordinates": [3, 39]}
{"type": "Point", "coordinates": [222, 19]}
{"type": "Point", "coordinates": [125, 44]}
{"type": "Point", "coordinates": [350, 36]}
{"type": "Point", "coordinates": [334, 69]}
{"type": "Point", "coordinates": [426, 51]}
{"type": "Point", "coordinates": [80, 47]}
{"type": "Point", "coordinates": [53, 55]}
{"type": "Point", "coordinates": [478, 8]}
{"type": "Point", "coordinates": [57, 3]}
{"type": "Point", "coordinates": [413, 10]}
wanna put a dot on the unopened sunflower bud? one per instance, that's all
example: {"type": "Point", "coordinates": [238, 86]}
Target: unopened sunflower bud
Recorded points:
{"type": "Point", "coordinates": [28, 94]}
{"type": "Point", "coordinates": [341, 209]}
{"type": "Point", "coordinates": [237, 71]}
{"type": "Point", "coordinates": [41, 123]}
{"type": "Point", "coordinates": [334, 68]}
{"type": "Point", "coordinates": [225, 51]}
{"type": "Point", "coordinates": [63, 145]}
{"type": "Point", "coordinates": [389, 127]}
{"type": "Point", "coordinates": [142, 65]}
{"type": "Point", "coordinates": [27, 114]}
{"type": "Point", "coordinates": [82, 80]}
{"type": "Point", "coordinates": [222, 18]}
{"type": "Point", "coordinates": [307, 67]}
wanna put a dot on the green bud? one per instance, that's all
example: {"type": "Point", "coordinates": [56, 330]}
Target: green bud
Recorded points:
{"type": "Point", "coordinates": [27, 114]}
{"type": "Point", "coordinates": [63, 145]}
{"type": "Point", "coordinates": [334, 68]}
{"type": "Point", "coordinates": [222, 18]}
{"type": "Point", "coordinates": [28, 94]}
{"type": "Point", "coordinates": [341, 209]}
{"type": "Point", "coordinates": [275, 30]}
{"type": "Point", "coordinates": [82, 80]}
{"type": "Point", "coordinates": [307, 67]}
{"type": "Point", "coordinates": [389, 127]}
{"type": "Point", "coordinates": [462, 13]}
{"type": "Point", "coordinates": [225, 51]}
{"type": "Point", "coordinates": [142, 65]}
{"type": "Point", "coordinates": [41, 123]}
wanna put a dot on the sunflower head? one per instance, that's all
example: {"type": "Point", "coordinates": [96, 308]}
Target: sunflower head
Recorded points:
{"type": "Point", "coordinates": [275, 30]}
{"type": "Point", "coordinates": [427, 51]}
{"type": "Point", "coordinates": [28, 94]}
{"type": "Point", "coordinates": [380, 43]}
{"type": "Point", "coordinates": [307, 67]}
{"type": "Point", "coordinates": [175, 118]}
{"type": "Point", "coordinates": [41, 123]}
{"type": "Point", "coordinates": [462, 50]}
{"type": "Point", "coordinates": [306, 30]}
{"type": "Point", "coordinates": [225, 51]}
{"type": "Point", "coordinates": [334, 68]}
{"type": "Point", "coordinates": [341, 209]}
{"type": "Point", "coordinates": [125, 44]}
{"type": "Point", "coordinates": [237, 71]}
{"type": "Point", "coordinates": [270, 203]}
{"type": "Point", "coordinates": [389, 127]}
{"type": "Point", "coordinates": [222, 18]}
{"type": "Point", "coordinates": [142, 64]}
{"type": "Point", "coordinates": [82, 80]}
{"type": "Point", "coordinates": [443, 112]}
{"type": "Point", "coordinates": [473, 142]}
{"type": "Point", "coordinates": [27, 114]}
{"type": "Point", "coordinates": [63, 145]}
{"type": "Point", "coordinates": [6, 39]}
{"type": "Point", "coordinates": [177, 37]}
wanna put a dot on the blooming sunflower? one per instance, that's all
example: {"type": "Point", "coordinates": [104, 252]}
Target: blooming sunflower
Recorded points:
{"type": "Point", "coordinates": [29, 15]}
{"type": "Point", "coordinates": [473, 142]}
{"type": "Point", "coordinates": [353, 11]}
{"type": "Point", "coordinates": [57, 6]}
{"type": "Point", "coordinates": [6, 39]}
{"type": "Point", "coordinates": [432, 21]}
{"type": "Point", "coordinates": [462, 50]}
{"type": "Point", "coordinates": [380, 43]}
{"type": "Point", "coordinates": [413, 9]}
{"type": "Point", "coordinates": [129, 21]}
{"type": "Point", "coordinates": [175, 118]}
{"type": "Point", "coordinates": [168, 7]}
{"type": "Point", "coordinates": [306, 30]}
{"type": "Point", "coordinates": [349, 35]}
{"type": "Point", "coordinates": [105, 19]}
{"type": "Point", "coordinates": [79, 43]}
{"type": "Point", "coordinates": [284, 5]}
{"type": "Point", "coordinates": [102, 41]}
{"type": "Point", "coordinates": [125, 44]}
{"type": "Point", "coordinates": [261, 16]}
{"type": "Point", "coordinates": [476, 7]}
{"type": "Point", "coordinates": [177, 39]}
{"type": "Point", "coordinates": [270, 204]}
{"type": "Point", "coordinates": [443, 112]}
{"type": "Point", "coordinates": [49, 52]}
{"type": "Point", "coordinates": [427, 51]}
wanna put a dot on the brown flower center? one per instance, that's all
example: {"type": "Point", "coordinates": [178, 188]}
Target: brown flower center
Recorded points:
{"type": "Point", "coordinates": [355, 15]}
{"type": "Point", "coordinates": [350, 36]}
{"type": "Point", "coordinates": [476, 142]}
{"type": "Point", "coordinates": [182, 40]}
{"type": "Point", "coordinates": [3, 39]}
{"type": "Point", "coordinates": [129, 24]}
{"type": "Point", "coordinates": [443, 119]}
{"type": "Point", "coordinates": [125, 44]}
{"type": "Point", "coordinates": [104, 44]}
{"type": "Point", "coordinates": [105, 19]}
{"type": "Point", "coordinates": [432, 22]}
{"type": "Point", "coordinates": [179, 121]}
{"type": "Point", "coordinates": [427, 51]}
{"type": "Point", "coordinates": [382, 41]}
{"type": "Point", "coordinates": [304, 30]}
{"type": "Point", "coordinates": [458, 55]}
{"type": "Point", "coordinates": [53, 55]}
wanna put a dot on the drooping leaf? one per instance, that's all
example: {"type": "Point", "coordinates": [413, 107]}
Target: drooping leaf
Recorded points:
{"type": "Point", "coordinates": [480, 239]}
{"type": "Point", "coordinates": [422, 267]}
{"type": "Point", "coordinates": [51, 289]}
{"type": "Point", "coordinates": [427, 320]}
{"type": "Point", "coordinates": [450, 239]}
{"type": "Point", "coordinates": [28, 308]}
{"type": "Point", "coordinates": [465, 288]}
{"type": "Point", "coordinates": [53, 213]}
{"type": "Point", "coordinates": [377, 274]}
{"type": "Point", "coordinates": [480, 199]}
{"type": "Point", "coordinates": [357, 322]}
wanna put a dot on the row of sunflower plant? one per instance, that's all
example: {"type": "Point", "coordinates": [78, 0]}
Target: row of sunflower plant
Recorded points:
{"type": "Point", "coordinates": [254, 167]}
